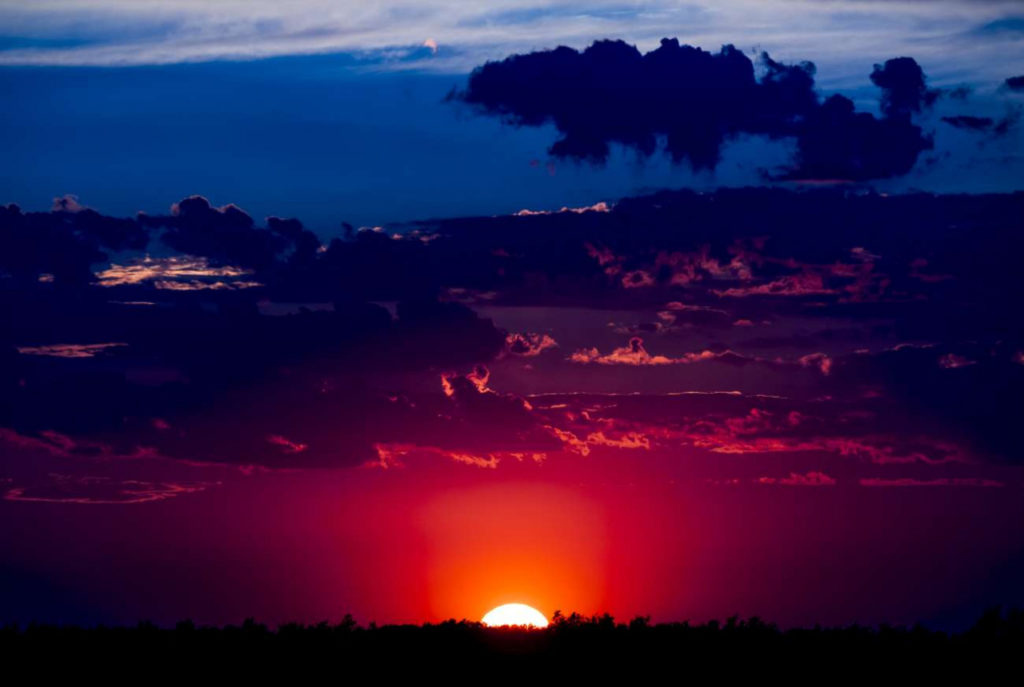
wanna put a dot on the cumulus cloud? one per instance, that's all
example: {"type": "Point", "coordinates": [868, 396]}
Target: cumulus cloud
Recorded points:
{"type": "Point", "coordinates": [904, 90]}
{"type": "Point", "coordinates": [528, 344]}
{"type": "Point", "coordinates": [62, 245]}
{"type": "Point", "coordinates": [480, 404]}
{"type": "Point", "coordinates": [613, 93]}
{"type": "Point", "coordinates": [67, 203]}
{"type": "Point", "coordinates": [838, 143]}
{"type": "Point", "coordinates": [224, 234]}
{"type": "Point", "coordinates": [600, 206]}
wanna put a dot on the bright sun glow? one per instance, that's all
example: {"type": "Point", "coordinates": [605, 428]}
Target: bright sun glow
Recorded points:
{"type": "Point", "coordinates": [515, 614]}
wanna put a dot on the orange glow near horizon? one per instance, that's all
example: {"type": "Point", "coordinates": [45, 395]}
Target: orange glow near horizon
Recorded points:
{"type": "Point", "coordinates": [528, 543]}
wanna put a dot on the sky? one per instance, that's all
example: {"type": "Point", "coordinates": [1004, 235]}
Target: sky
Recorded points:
{"type": "Point", "coordinates": [132, 106]}
{"type": "Point", "coordinates": [409, 310]}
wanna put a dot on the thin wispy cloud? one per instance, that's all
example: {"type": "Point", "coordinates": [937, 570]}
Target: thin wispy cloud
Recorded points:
{"type": "Point", "coordinates": [455, 36]}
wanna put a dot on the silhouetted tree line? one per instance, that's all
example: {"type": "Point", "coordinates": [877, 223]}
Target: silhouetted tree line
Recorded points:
{"type": "Point", "coordinates": [573, 646]}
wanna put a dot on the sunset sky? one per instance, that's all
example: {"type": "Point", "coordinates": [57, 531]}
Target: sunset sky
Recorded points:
{"type": "Point", "coordinates": [412, 309]}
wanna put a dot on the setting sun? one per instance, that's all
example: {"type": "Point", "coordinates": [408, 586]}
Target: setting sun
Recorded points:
{"type": "Point", "coordinates": [515, 614]}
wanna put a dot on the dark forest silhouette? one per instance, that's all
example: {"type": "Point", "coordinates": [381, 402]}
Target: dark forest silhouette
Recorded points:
{"type": "Point", "coordinates": [582, 644]}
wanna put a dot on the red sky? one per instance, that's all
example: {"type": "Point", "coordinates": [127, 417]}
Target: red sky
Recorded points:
{"type": "Point", "coordinates": [798, 405]}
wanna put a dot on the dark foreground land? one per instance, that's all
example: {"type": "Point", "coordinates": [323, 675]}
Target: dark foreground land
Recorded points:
{"type": "Point", "coordinates": [573, 647]}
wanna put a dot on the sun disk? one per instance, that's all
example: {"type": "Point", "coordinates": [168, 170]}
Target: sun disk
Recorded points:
{"type": "Point", "coordinates": [515, 614]}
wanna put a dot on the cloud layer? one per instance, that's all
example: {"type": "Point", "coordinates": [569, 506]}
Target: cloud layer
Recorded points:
{"type": "Point", "coordinates": [123, 32]}
{"type": "Point", "coordinates": [845, 330]}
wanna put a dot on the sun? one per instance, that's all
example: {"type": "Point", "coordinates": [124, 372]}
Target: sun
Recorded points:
{"type": "Point", "coordinates": [515, 614]}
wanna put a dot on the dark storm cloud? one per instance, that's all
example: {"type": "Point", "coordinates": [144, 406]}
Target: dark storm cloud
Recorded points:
{"type": "Point", "coordinates": [63, 243]}
{"type": "Point", "coordinates": [611, 93]}
{"type": "Point", "coordinates": [752, 254]}
{"type": "Point", "coordinates": [232, 385]}
{"type": "Point", "coordinates": [968, 392]}
{"type": "Point", "coordinates": [838, 143]}
{"type": "Point", "coordinates": [431, 333]}
{"type": "Point", "coordinates": [904, 91]}
{"type": "Point", "coordinates": [229, 235]}
{"type": "Point", "coordinates": [1015, 83]}
{"type": "Point", "coordinates": [740, 246]}
{"type": "Point", "coordinates": [202, 374]}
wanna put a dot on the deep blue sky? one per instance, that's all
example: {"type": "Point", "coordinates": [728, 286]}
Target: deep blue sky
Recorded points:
{"type": "Point", "coordinates": [307, 137]}
{"type": "Point", "coordinates": [342, 118]}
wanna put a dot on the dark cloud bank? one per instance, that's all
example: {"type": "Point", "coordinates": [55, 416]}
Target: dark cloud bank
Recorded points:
{"type": "Point", "coordinates": [696, 100]}
{"type": "Point", "coordinates": [201, 354]}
